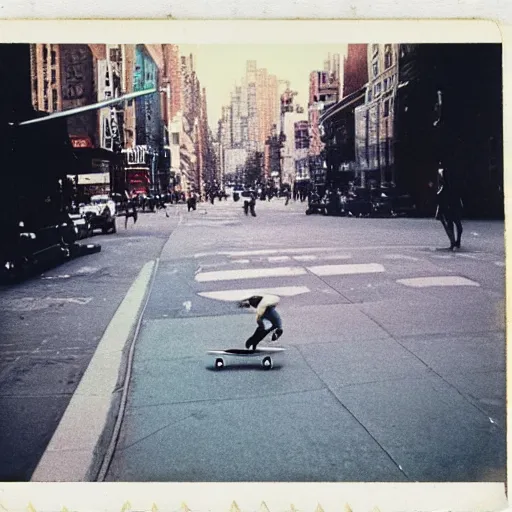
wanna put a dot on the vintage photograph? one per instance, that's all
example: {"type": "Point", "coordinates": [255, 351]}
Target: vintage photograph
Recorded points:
{"type": "Point", "coordinates": [252, 263]}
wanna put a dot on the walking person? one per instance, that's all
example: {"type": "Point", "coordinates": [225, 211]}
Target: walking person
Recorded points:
{"type": "Point", "coordinates": [449, 209]}
{"type": "Point", "coordinates": [265, 310]}
{"type": "Point", "coordinates": [249, 205]}
{"type": "Point", "coordinates": [192, 201]}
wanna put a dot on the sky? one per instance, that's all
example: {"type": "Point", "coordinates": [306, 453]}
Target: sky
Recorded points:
{"type": "Point", "coordinates": [221, 67]}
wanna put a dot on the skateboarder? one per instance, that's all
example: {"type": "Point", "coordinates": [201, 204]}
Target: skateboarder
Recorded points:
{"type": "Point", "coordinates": [265, 310]}
{"type": "Point", "coordinates": [449, 209]}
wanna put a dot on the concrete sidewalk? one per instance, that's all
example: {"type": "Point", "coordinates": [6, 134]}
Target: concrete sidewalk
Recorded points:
{"type": "Point", "coordinates": [389, 383]}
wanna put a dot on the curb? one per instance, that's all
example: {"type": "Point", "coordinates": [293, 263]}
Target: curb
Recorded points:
{"type": "Point", "coordinates": [75, 452]}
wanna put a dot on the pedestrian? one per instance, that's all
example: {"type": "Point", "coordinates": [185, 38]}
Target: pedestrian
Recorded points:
{"type": "Point", "coordinates": [287, 195]}
{"type": "Point", "coordinates": [192, 202]}
{"type": "Point", "coordinates": [130, 204]}
{"type": "Point", "coordinates": [250, 204]}
{"type": "Point", "coordinates": [449, 209]}
{"type": "Point", "coordinates": [265, 306]}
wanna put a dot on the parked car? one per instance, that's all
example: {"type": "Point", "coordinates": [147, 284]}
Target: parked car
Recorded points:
{"type": "Point", "coordinates": [390, 202]}
{"type": "Point", "coordinates": [82, 225]}
{"type": "Point", "coordinates": [382, 202]}
{"type": "Point", "coordinates": [359, 203]}
{"type": "Point", "coordinates": [100, 213]}
{"type": "Point", "coordinates": [316, 204]}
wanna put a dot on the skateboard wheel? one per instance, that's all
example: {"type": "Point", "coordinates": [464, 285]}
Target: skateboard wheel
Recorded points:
{"type": "Point", "coordinates": [219, 363]}
{"type": "Point", "coordinates": [267, 363]}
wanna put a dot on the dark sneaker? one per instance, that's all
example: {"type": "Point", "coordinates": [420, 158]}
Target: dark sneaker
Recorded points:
{"type": "Point", "coordinates": [277, 334]}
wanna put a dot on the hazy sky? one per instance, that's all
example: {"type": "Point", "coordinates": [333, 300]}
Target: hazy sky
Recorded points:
{"type": "Point", "coordinates": [221, 67]}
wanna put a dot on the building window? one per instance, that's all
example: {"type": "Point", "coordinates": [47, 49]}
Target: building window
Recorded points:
{"type": "Point", "coordinates": [45, 54]}
{"type": "Point", "coordinates": [375, 69]}
{"type": "Point", "coordinates": [175, 139]}
{"type": "Point", "coordinates": [115, 54]}
{"type": "Point", "coordinates": [45, 107]}
{"type": "Point", "coordinates": [369, 95]}
{"type": "Point", "coordinates": [375, 49]}
{"type": "Point", "coordinates": [386, 108]}
{"type": "Point", "coordinates": [54, 100]}
{"type": "Point", "coordinates": [377, 89]}
{"type": "Point", "coordinates": [54, 76]}
{"type": "Point", "coordinates": [388, 56]}
{"type": "Point", "coordinates": [54, 58]}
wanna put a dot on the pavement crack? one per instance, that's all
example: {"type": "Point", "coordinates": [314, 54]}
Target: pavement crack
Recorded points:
{"type": "Point", "coordinates": [437, 374]}
{"type": "Point", "coordinates": [398, 466]}
{"type": "Point", "coordinates": [229, 399]}
{"type": "Point", "coordinates": [330, 286]}
{"type": "Point", "coordinates": [170, 424]}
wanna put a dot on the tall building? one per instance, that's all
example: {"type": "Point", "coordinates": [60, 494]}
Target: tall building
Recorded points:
{"type": "Point", "coordinates": [302, 176]}
{"type": "Point", "coordinates": [251, 115]}
{"type": "Point", "coordinates": [63, 78]}
{"type": "Point", "coordinates": [174, 123]}
{"type": "Point", "coordinates": [355, 68]}
{"type": "Point", "coordinates": [324, 91]}
{"type": "Point", "coordinates": [236, 119]}
{"type": "Point", "coordinates": [289, 146]}
{"type": "Point", "coordinates": [374, 119]}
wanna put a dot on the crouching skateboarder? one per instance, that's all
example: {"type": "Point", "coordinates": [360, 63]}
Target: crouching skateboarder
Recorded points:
{"type": "Point", "coordinates": [265, 310]}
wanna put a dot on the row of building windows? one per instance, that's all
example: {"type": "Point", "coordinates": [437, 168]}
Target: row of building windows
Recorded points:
{"type": "Point", "coordinates": [388, 58]}
{"type": "Point", "coordinates": [379, 87]}
{"type": "Point", "coordinates": [53, 56]}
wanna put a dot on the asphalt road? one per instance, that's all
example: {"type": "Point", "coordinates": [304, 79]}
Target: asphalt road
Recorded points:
{"type": "Point", "coordinates": [395, 360]}
{"type": "Point", "coordinates": [50, 326]}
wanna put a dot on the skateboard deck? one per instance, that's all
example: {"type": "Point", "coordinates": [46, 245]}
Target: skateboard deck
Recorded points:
{"type": "Point", "coordinates": [264, 355]}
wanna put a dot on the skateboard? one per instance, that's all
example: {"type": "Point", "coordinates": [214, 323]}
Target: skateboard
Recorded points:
{"type": "Point", "coordinates": [264, 355]}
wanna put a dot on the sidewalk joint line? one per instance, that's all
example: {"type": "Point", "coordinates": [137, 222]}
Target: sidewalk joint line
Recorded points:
{"type": "Point", "coordinates": [398, 466]}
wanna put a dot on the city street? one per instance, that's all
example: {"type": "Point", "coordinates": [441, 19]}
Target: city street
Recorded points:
{"type": "Point", "coordinates": [51, 326]}
{"type": "Point", "coordinates": [394, 367]}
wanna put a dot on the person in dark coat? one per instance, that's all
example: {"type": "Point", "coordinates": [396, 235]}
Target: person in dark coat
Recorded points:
{"type": "Point", "coordinates": [449, 209]}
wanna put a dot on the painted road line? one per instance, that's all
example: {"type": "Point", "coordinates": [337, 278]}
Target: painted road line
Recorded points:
{"type": "Point", "coordinates": [250, 273]}
{"type": "Point", "coordinates": [234, 295]}
{"type": "Point", "coordinates": [73, 454]}
{"type": "Point", "coordinates": [424, 282]}
{"type": "Point", "coordinates": [278, 259]}
{"type": "Point", "coordinates": [339, 270]}
{"type": "Point", "coordinates": [266, 252]}
{"type": "Point", "coordinates": [337, 257]}
{"type": "Point", "coordinates": [306, 257]}
{"type": "Point", "coordinates": [400, 257]}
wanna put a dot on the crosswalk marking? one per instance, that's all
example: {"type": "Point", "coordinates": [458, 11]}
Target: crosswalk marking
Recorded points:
{"type": "Point", "coordinates": [265, 252]}
{"type": "Point", "coordinates": [310, 262]}
{"type": "Point", "coordinates": [338, 270]}
{"type": "Point", "coordinates": [423, 282]}
{"type": "Point", "coordinates": [234, 295]}
{"type": "Point", "coordinates": [400, 257]}
{"type": "Point", "coordinates": [250, 273]}
{"type": "Point", "coordinates": [337, 257]}
{"type": "Point", "coordinates": [278, 259]}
